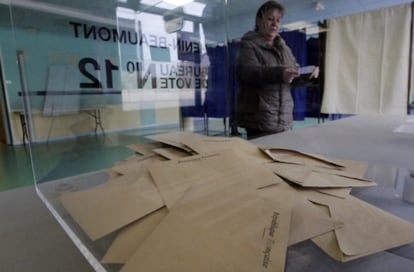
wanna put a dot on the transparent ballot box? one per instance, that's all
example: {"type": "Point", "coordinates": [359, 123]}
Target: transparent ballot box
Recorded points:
{"type": "Point", "coordinates": [385, 199]}
{"type": "Point", "coordinates": [128, 110]}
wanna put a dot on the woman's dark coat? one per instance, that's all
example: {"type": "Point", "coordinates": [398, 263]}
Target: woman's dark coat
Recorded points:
{"type": "Point", "coordinates": [264, 101]}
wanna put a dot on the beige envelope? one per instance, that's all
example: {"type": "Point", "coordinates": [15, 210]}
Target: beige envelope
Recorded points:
{"type": "Point", "coordinates": [102, 210]}
{"type": "Point", "coordinates": [171, 152]}
{"type": "Point", "coordinates": [145, 148]}
{"type": "Point", "coordinates": [118, 180]}
{"type": "Point", "coordinates": [336, 192]}
{"type": "Point", "coordinates": [296, 157]}
{"type": "Point", "coordinates": [208, 145]}
{"type": "Point", "coordinates": [129, 170]}
{"type": "Point", "coordinates": [135, 157]}
{"type": "Point", "coordinates": [131, 237]}
{"type": "Point", "coordinates": [364, 229]}
{"type": "Point", "coordinates": [137, 166]}
{"type": "Point", "coordinates": [174, 177]}
{"type": "Point", "coordinates": [351, 169]}
{"type": "Point", "coordinates": [308, 220]}
{"type": "Point", "coordinates": [310, 177]}
{"type": "Point", "coordinates": [355, 170]}
{"type": "Point", "coordinates": [176, 139]}
{"type": "Point", "coordinates": [222, 228]}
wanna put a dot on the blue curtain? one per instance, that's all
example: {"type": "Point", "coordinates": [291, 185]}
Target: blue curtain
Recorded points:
{"type": "Point", "coordinates": [197, 110]}
{"type": "Point", "coordinates": [296, 40]}
{"type": "Point", "coordinates": [314, 95]}
{"type": "Point", "coordinates": [216, 94]}
{"type": "Point", "coordinates": [233, 51]}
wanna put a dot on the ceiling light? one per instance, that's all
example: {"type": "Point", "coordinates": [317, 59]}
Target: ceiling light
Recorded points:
{"type": "Point", "coordinates": [178, 2]}
{"type": "Point", "coordinates": [195, 9]}
{"type": "Point", "coordinates": [319, 6]}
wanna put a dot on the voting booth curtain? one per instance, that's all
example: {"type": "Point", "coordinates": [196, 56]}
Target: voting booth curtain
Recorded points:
{"type": "Point", "coordinates": [220, 97]}
{"type": "Point", "coordinates": [411, 94]}
{"type": "Point", "coordinates": [215, 102]}
{"type": "Point", "coordinates": [296, 40]}
{"type": "Point", "coordinates": [197, 109]}
{"type": "Point", "coordinates": [216, 95]}
{"type": "Point", "coordinates": [367, 62]}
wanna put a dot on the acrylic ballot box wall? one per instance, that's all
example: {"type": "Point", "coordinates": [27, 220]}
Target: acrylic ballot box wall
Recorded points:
{"type": "Point", "coordinates": [88, 82]}
{"type": "Point", "coordinates": [92, 78]}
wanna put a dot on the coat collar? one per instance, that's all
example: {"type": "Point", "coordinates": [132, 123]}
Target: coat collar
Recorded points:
{"type": "Point", "coordinates": [258, 39]}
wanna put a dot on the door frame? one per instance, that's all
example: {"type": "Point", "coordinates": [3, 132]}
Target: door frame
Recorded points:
{"type": "Point", "coordinates": [4, 105]}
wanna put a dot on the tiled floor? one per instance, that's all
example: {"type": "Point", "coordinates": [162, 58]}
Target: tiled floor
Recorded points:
{"type": "Point", "coordinates": [66, 158]}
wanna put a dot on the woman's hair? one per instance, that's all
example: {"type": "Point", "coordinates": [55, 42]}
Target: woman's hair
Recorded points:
{"type": "Point", "coordinates": [269, 5]}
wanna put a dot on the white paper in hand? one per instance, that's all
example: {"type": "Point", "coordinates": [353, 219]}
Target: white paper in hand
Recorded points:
{"type": "Point", "coordinates": [306, 69]}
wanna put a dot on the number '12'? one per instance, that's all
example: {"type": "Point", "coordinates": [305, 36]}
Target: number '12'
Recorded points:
{"type": "Point", "coordinates": [95, 82]}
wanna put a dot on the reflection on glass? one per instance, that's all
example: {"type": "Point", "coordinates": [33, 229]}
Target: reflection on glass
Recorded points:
{"type": "Point", "coordinates": [100, 76]}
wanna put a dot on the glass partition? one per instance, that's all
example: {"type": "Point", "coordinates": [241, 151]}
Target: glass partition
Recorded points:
{"type": "Point", "coordinates": [92, 78]}
{"type": "Point", "coordinates": [86, 81]}
{"type": "Point", "coordinates": [105, 74]}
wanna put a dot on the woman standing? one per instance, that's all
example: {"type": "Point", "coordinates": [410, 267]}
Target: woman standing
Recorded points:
{"type": "Point", "coordinates": [265, 71]}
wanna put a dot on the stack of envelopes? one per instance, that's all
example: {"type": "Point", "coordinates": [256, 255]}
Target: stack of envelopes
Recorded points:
{"type": "Point", "coordinates": [188, 202]}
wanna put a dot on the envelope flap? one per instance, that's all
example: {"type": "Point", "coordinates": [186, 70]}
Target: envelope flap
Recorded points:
{"type": "Point", "coordinates": [171, 152]}
{"type": "Point", "coordinates": [326, 180]}
{"type": "Point", "coordinates": [365, 229]}
{"type": "Point", "coordinates": [307, 221]}
{"type": "Point", "coordinates": [292, 172]}
{"type": "Point", "coordinates": [297, 157]}
{"type": "Point", "coordinates": [145, 148]}
{"type": "Point", "coordinates": [100, 211]}
{"type": "Point", "coordinates": [131, 237]}
{"type": "Point", "coordinates": [174, 177]}
{"type": "Point", "coordinates": [245, 233]}
{"type": "Point", "coordinates": [175, 139]}
{"type": "Point", "coordinates": [214, 144]}
{"type": "Point", "coordinates": [336, 192]}
{"type": "Point", "coordinates": [136, 166]}
{"type": "Point", "coordinates": [368, 229]}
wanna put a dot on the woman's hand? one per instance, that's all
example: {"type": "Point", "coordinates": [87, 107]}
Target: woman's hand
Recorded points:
{"type": "Point", "coordinates": [290, 73]}
{"type": "Point", "coordinates": [315, 73]}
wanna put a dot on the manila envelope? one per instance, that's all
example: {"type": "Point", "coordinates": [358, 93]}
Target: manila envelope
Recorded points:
{"type": "Point", "coordinates": [296, 157]}
{"type": "Point", "coordinates": [351, 169]}
{"type": "Point", "coordinates": [129, 239]}
{"type": "Point", "coordinates": [310, 177]}
{"type": "Point", "coordinates": [365, 229]}
{"type": "Point", "coordinates": [347, 168]}
{"type": "Point", "coordinates": [144, 148]}
{"type": "Point", "coordinates": [176, 139]}
{"type": "Point", "coordinates": [307, 220]}
{"type": "Point", "coordinates": [135, 157]}
{"type": "Point", "coordinates": [127, 171]}
{"type": "Point", "coordinates": [104, 209]}
{"type": "Point", "coordinates": [171, 152]}
{"type": "Point", "coordinates": [217, 226]}
{"type": "Point", "coordinates": [136, 166]}
{"type": "Point", "coordinates": [336, 192]}
{"type": "Point", "coordinates": [174, 177]}
{"type": "Point", "coordinates": [208, 145]}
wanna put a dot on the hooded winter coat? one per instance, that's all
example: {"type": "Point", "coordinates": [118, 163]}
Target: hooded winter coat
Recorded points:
{"type": "Point", "coordinates": [264, 100]}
